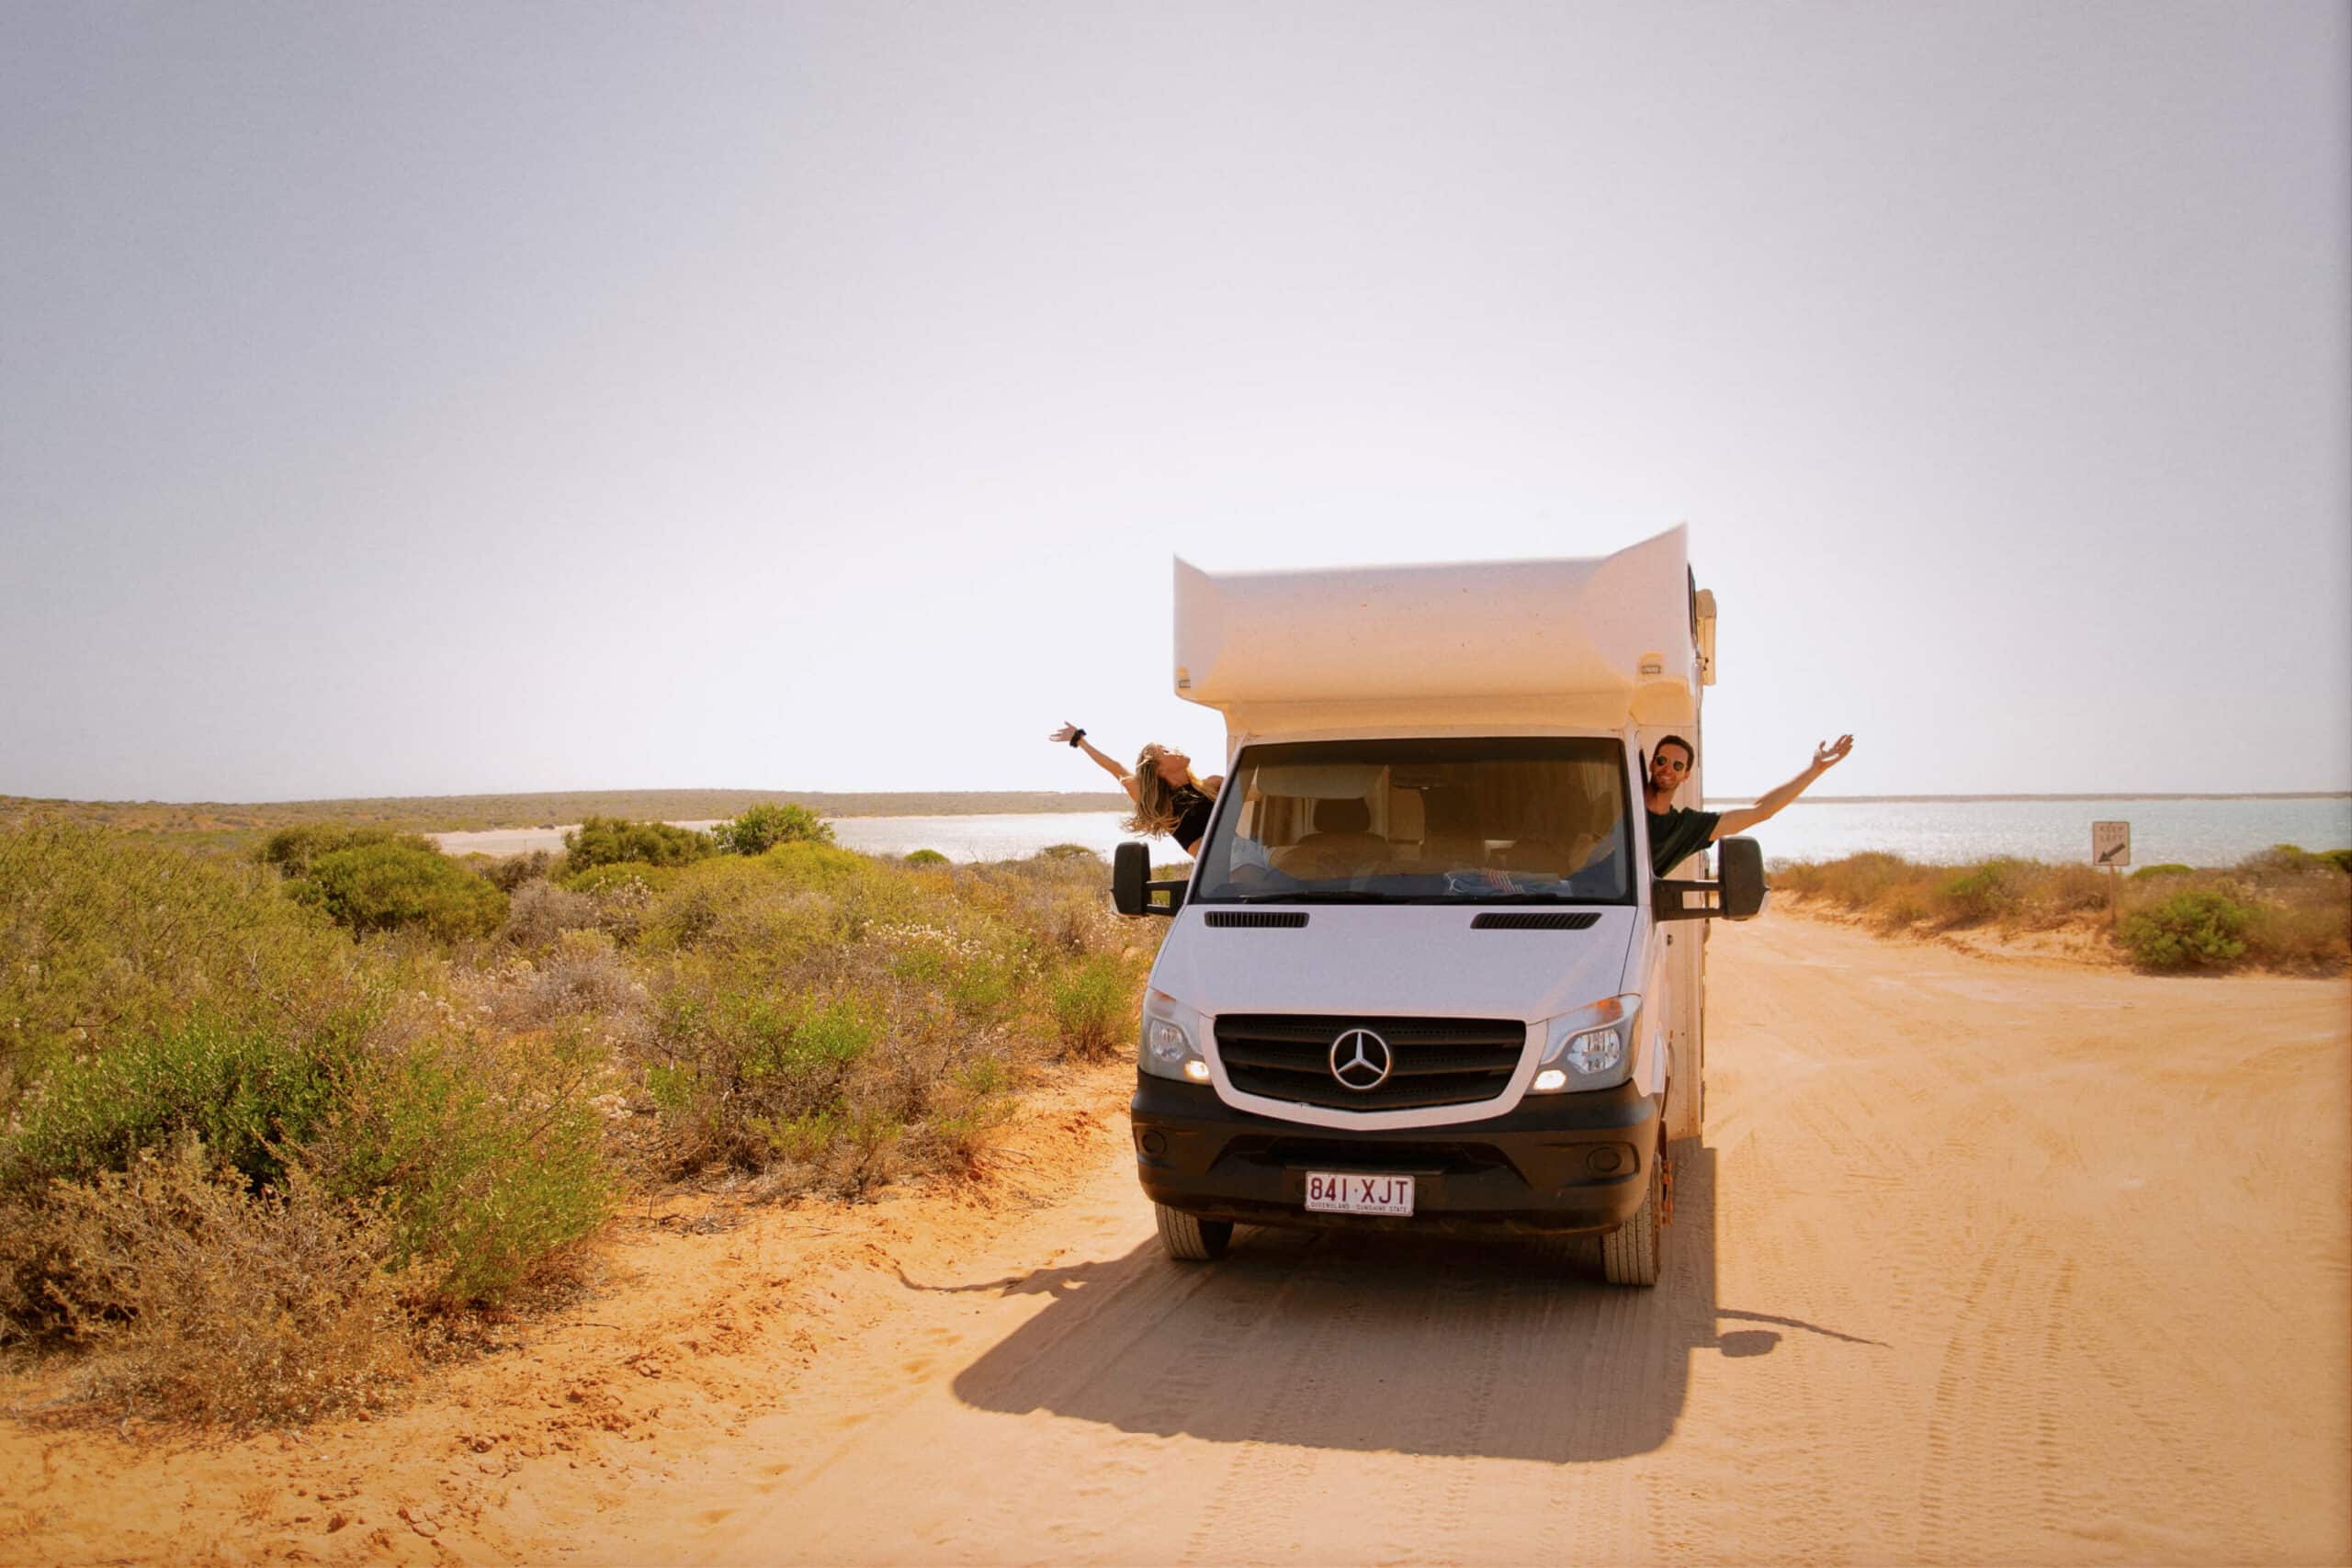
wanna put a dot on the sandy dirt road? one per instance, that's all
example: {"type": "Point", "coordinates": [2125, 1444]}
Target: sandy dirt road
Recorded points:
{"type": "Point", "coordinates": [1980, 1261]}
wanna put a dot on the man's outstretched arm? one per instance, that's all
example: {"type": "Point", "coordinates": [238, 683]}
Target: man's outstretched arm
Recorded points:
{"type": "Point", "coordinates": [1825, 757]}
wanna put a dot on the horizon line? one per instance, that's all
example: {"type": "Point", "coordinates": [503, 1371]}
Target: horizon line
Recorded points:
{"type": "Point", "coordinates": [1731, 798]}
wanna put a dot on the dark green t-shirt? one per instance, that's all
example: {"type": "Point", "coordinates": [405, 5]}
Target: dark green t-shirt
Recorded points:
{"type": "Point", "coordinates": [1677, 834]}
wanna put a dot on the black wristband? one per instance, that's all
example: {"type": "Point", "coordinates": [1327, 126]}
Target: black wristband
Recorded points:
{"type": "Point", "coordinates": [1076, 736]}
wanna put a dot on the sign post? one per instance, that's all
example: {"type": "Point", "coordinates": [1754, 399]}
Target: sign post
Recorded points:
{"type": "Point", "coordinates": [2111, 847]}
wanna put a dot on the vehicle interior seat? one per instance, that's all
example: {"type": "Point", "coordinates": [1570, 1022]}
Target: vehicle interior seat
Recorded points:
{"type": "Point", "coordinates": [1341, 845]}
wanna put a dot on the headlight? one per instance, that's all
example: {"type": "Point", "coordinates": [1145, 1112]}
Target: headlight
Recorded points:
{"type": "Point", "coordinates": [1170, 1032]}
{"type": "Point", "coordinates": [1587, 1048]}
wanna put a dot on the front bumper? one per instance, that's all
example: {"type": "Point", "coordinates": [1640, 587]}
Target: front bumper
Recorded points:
{"type": "Point", "coordinates": [1544, 1169]}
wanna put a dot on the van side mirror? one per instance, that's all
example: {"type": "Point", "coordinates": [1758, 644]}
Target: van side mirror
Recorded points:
{"type": "Point", "coordinates": [1737, 894]}
{"type": "Point", "coordinates": [1739, 873]}
{"type": "Point", "coordinates": [1132, 888]}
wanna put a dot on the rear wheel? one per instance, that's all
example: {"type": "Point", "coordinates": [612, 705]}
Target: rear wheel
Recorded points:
{"type": "Point", "coordinates": [1190, 1238]}
{"type": "Point", "coordinates": [1629, 1255]}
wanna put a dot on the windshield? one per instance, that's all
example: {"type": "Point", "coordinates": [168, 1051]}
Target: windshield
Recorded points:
{"type": "Point", "coordinates": [1522, 821]}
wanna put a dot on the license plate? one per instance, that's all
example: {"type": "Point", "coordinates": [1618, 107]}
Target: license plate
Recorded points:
{"type": "Point", "coordinates": [1344, 1192]}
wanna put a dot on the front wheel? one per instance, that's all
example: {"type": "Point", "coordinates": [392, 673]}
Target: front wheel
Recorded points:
{"type": "Point", "coordinates": [1190, 1238]}
{"type": "Point", "coordinates": [1629, 1255]}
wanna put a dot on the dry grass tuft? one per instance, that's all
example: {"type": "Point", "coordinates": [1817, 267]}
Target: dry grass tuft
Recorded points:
{"type": "Point", "coordinates": [2283, 909]}
{"type": "Point", "coordinates": [201, 1299]}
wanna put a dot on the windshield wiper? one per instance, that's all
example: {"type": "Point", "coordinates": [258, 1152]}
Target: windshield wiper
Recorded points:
{"type": "Point", "coordinates": [1529, 899]}
{"type": "Point", "coordinates": [1302, 897]}
{"type": "Point", "coordinates": [1465, 901]}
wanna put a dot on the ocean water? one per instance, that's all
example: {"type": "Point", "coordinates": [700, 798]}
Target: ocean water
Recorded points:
{"type": "Point", "coordinates": [2192, 832]}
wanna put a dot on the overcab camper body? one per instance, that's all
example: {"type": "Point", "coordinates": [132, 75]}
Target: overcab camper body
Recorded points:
{"type": "Point", "coordinates": [1422, 977]}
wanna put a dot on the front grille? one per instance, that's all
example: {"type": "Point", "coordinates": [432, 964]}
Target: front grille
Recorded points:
{"type": "Point", "coordinates": [1263, 919]}
{"type": "Point", "coordinates": [1438, 1061]}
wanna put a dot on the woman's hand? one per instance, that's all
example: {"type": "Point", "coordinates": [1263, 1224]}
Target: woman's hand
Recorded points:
{"type": "Point", "coordinates": [1830, 752]}
{"type": "Point", "coordinates": [1061, 737]}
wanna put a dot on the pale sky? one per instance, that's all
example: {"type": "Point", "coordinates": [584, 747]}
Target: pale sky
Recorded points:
{"type": "Point", "coordinates": [479, 397]}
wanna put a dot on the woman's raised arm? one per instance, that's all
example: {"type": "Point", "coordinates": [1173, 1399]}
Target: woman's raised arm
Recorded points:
{"type": "Point", "coordinates": [1071, 735]}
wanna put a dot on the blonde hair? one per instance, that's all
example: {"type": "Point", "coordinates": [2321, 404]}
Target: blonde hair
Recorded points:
{"type": "Point", "coordinates": [1155, 813]}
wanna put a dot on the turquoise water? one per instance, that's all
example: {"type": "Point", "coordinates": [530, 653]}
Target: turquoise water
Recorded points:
{"type": "Point", "coordinates": [2193, 832]}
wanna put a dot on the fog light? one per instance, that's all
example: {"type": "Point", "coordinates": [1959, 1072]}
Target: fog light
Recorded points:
{"type": "Point", "coordinates": [1551, 1079]}
{"type": "Point", "coordinates": [1152, 1143]}
{"type": "Point", "coordinates": [1606, 1160]}
{"type": "Point", "coordinates": [1197, 1070]}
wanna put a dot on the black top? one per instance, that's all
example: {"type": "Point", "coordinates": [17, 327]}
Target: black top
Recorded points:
{"type": "Point", "coordinates": [1193, 806]}
{"type": "Point", "coordinates": [1677, 834]}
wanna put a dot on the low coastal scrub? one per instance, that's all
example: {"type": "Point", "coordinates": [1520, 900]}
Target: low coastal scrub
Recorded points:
{"type": "Point", "coordinates": [763, 827]}
{"type": "Point", "coordinates": [611, 840]}
{"type": "Point", "coordinates": [269, 1127]}
{"type": "Point", "coordinates": [391, 887]}
{"type": "Point", "coordinates": [2285, 909]}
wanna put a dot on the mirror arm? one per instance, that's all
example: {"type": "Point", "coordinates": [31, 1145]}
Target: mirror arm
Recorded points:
{"type": "Point", "coordinates": [1668, 903]}
{"type": "Point", "coordinates": [1131, 890]}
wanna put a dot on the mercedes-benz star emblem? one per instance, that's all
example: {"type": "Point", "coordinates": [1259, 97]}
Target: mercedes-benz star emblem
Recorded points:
{"type": "Point", "coordinates": [1362, 1060]}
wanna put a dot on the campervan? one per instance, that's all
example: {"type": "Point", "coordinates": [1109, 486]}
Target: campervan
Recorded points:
{"type": "Point", "coordinates": [1422, 977]}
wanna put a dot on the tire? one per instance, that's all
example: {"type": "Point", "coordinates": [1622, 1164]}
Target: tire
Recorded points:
{"type": "Point", "coordinates": [1190, 1239]}
{"type": "Point", "coordinates": [1629, 1255]}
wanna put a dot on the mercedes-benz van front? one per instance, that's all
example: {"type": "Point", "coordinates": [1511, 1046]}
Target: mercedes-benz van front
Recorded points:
{"type": "Point", "coordinates": [1406, 990]}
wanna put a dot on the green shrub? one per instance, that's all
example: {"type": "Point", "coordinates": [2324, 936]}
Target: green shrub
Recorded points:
{"type": "Point", "coordinates": [104, 936]}
{"type": "Point", "coordinates": [2193, 928]}
{"type": "Point", "coordinates": [1090, 999]}
{"type": "Point", "coordinates": [2169, 868]}
{"type": "Point", "coordinates": [483, 1157]}
{"type": "Point", "coordinates": [743, 909]}
{"type": "Point", "coordinates": [385, 887]}
{"type": "Point", "coordinates": [763, 827]}
{"type": "Point", "coordinates": [291, 849]}
{"type": "Point", "coordinates": [1068, 851]}
{"type": "Point", "coordinates": [248, 1094]}
{"type": "Point", "coordinates": [925, 857]}
{"type": "Point", "coordinates": [748, 1074]}
{"type": "Point", "coordinates": [608, 841]}
{"type": "Point", "coordinates": [1981, 893]}
{"type": "Point", "coordinates": [2340, 859]}
{"type": "Point", "coordinates": [983, 989]}
{"type": "Point", "coordinates": [817, 865]}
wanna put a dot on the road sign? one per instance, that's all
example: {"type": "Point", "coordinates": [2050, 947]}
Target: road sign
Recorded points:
{"type": "Point", "coordinates": [2110, 843]}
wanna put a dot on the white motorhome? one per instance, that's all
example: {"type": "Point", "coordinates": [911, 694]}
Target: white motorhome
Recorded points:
{"type": "Point", "coordinates": [1422, 977]}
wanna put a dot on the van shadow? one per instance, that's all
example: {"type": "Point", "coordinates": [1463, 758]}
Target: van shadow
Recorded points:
{"type": "Point", "coordinates": [1373, 1342]}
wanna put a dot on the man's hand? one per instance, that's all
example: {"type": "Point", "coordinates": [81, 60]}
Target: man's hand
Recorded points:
{"type": "Point", "coordinates": [1826, 756]}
